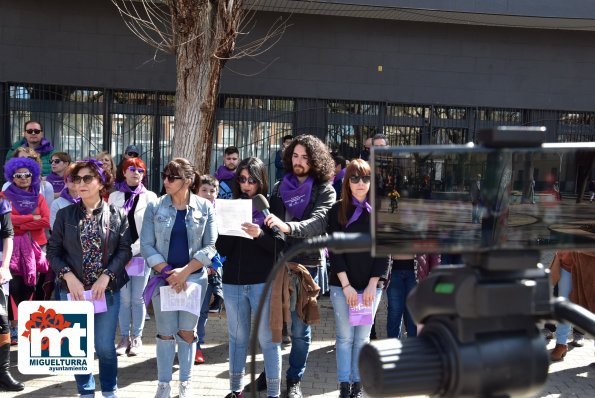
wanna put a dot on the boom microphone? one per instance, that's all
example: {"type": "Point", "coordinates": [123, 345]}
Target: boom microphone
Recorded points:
{"type": "Point", "coordinates": [262, 204]}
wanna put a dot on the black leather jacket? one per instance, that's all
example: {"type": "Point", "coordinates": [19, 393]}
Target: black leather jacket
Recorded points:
{"type": "Point", "coordinates": [65, 249]}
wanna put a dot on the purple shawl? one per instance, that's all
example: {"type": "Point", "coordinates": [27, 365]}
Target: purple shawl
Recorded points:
{"type": "Point", "coordinates": [359, 209]}
{"type": "Point", "coordinates": [56, 181]}
{"type": "Point", "coordinates": [123, 187]}
{"type": "Point", "coordinates": [223, 173]}
{"type": "Point", "coordinates": [295, 196]}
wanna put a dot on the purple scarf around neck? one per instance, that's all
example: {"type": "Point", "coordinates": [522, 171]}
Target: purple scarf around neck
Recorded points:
{"type": "Point", "coordinates": [359, 209]}
{"type": "Point", "coordinates": [44, 147]}
{"type": "Point", "coordinates": [340, 175]}
{"type": "Point", "coordinates": [296, 196]}
{"type": "Point", "coordinates": [223, 173]}
{"type": "Point", "coordinates": [66, 195]}
{"type": "Point", "coordinates": [140, 189]}
{"type": "Point", "coordinates": [257, 217]}
{"type": "Point", "coordinates": [24, 202]}
{"type": "Point", "coordinates": [56, 181]}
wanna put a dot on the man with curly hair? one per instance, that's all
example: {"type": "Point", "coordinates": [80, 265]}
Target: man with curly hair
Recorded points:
{"type": "Point", "coordinates": [299, 206]}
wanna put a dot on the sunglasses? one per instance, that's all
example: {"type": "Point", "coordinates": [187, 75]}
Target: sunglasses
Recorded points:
{"type": "Point", "coordinates": [22, 176]}
{"type": "Point", "coordinates": [133, 169]}
{"type": "Point", "coordinates": [132, 154]}
{"type": "Point", "coordinates": [170, 177]}
{"type": "Point", "coordinates": [249, 180]}
{"type": "Point", "coordinates": [33, 131]}
{"type": "Point", "coordinates": [86, 179]}
{"type": "Point", "coordinates": [55, 161]}
{"type": "Point", "coordinates": [357, 179]}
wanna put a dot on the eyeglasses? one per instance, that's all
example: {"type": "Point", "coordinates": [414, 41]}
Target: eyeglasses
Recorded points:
{"type": "Point", "coordinates": [22, 176]}
{"type": "Point", "coordinates": [33, 131]}
{"type": "Point", "coordinates": [55, 161]}
{"type": "Point", "coordinates": [132, 154]}
{"type": "Point", "coordinates": [86, 179]}
{"type": "Point", "coordinates": [357, 179]}
{"type": "Point", "coordinates": [249, 180]}
{"type": "Point", "coordinates": [170, 177]}
{"type": "Point", "coordinates": [133, 169]}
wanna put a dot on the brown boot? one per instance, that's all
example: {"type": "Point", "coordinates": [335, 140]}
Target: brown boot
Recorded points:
{"type": "Point", "coordinates": [559, 352]}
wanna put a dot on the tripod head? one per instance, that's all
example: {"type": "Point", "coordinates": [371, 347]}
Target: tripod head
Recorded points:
{"type": "Point", "coordinates": [479, 335]}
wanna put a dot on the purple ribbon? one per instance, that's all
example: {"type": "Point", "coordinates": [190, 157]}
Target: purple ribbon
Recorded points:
{"type": "Point", "coordinates": [359, 209]}
{"type": "Point", "coordinates": [154, 282]}
{"type": "Point", "coordinates": [98, 166]}
{"type": "Point", "coordinates": [56, 181]}
{"type": "Point", "coordinates": [223, 173]}
{"type": "Point", "coordinates": [296, 197]}
{"type": "Point", "coordinates": [140, 189]}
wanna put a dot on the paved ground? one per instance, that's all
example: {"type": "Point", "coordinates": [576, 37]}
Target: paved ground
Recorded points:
{"type": "Point", "coordinates": [137, 376]}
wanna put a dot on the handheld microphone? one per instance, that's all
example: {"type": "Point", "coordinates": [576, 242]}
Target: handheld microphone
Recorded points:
{"type": "Point", "coordinates": [262, 204]}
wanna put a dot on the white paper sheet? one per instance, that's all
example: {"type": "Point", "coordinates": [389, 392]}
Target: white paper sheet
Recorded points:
{"type": "Point", "coordinates": [187, 300]}
{"type": "Point", "coordinates": [231, 214]}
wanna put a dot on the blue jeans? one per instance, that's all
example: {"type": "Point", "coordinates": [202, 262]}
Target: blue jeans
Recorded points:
{"type": "Point", "coordinates": [349, 339]}
{"type": "Point", "coordinates": [132, 305]}
{"type": "Point", "coordinates": [401, 283]}
{"type": "Point", "coordinates": [168, 324]}
{"type": "Point", "coordinates": [564, 287]}
{"type": "Point", "coordinates": [301, 336]}
{"type": "Point", "coordinates": [204, 315]}
{"type": "Point", "coordinates": [241, 304]}
{"type": "Point", "coordinates": [105, 334]}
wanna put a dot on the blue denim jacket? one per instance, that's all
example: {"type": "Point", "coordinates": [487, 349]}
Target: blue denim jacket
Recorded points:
{"type": "Point", "coordinates": [158, 223]}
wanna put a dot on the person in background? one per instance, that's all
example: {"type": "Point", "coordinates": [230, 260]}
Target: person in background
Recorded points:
{"type": "Point", "coordinates": [7, 382]}
{"type": "Point", "coordinates": [133, 198]}
{"type": "Point", "coordinates": [279, 169]}
{"type": "Point", "coordinates": [177, 241]}
{"type": "Point", "coordinates": [30, 217]}
{"type": "Point", "coordinates": [131, 151]}
{"type": "Point", "coordinates": [225, 174]}
{"type": "Point", "coordinates": [340, 164]}
{"type": "Point", "coordinates": [475, 197]}
{"type": "Point", "coordinates": [33, 137]}
{"type": "Point", "coordinates": [561, 275]}
{"type": "Point", "coordinates": [45, 188]}
{"type": "Point", "coordinates": [60, 162]}
{"type": "Point", "coordinates": [247, 266]}
{"type": "Point", "coordinates": [88, 250]}
{"type": "Point", "coordinates": [365, 153]}
{"type": "Point", "coordinates": [68, 195]}
{"type": "Point", "coordinates": [107, 163]}
{"type": "Point", "coordinates": [208, 189]}
{"type": "Point", "coordinates": [353, 274]}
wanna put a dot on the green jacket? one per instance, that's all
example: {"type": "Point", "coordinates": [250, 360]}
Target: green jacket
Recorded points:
{"type": "Point", "coordinates": [46, 150]}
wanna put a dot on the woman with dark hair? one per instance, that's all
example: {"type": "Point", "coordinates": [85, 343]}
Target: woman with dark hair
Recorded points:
{"type": "Point", "coordinates": [177, 241]}
{"type": "Point", "coordinates": [92, 256]}
{"type": "Point", "coordinates": [30, 217]}
{"type": "Point", "coordinates": [355, 278]}
{"type": "Point", "coordinates": [7, 382]}
{"type": "Point", "coordinates": [133, 197]}
{"type": "Point", "coordinates": [59, 162]}
{"type": "Point", "coordinates": [247, 266]}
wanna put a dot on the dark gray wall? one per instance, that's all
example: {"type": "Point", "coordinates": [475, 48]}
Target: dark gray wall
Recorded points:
{"type": "Point", "coordinates": [86, 43]}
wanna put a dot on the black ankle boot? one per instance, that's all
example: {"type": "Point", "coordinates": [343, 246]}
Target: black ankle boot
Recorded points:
{"type": "Point", "coordinates": [356, 390]}
{"type": "Point", "coordinates": [344, 390]}
{"type": "Point", "coordinates": [6, 380]}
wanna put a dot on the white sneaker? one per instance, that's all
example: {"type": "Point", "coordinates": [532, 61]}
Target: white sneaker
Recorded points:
{"type": "Point", "coordinates": [135, 346]}
{"type": "Point", "coordinates": [163, 390]}
{"type": "Point", "coordinates": [185, 389]}
{"type": "Point", "coordinates": [123, 346]}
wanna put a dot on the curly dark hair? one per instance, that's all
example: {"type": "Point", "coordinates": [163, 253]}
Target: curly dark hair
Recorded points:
{"type": "Point", "coordinates": [322, 165]}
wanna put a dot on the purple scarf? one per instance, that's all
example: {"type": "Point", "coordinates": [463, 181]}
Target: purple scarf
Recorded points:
{"type": "Point", "coordinates": [140, 189]}
{"type": "Point", "coordinates": [66, 195]}
{"type": "Point", "coordinates": [153, 282]}
{"type": "Point", "coordinates": [296, 197]}
{"type": "Point", "coordinates": [56, 181]}
{"type": "Point", "coordinates": [24, 202]}
{"type": "Point", "coordinates": [44, 147]}
{"type": "Point", "coordinates": [223, 173]}
{"type": "Point", "coordinates": [359, 209]}
{"type": "Point", "coordinates": [257, 217]}
{"type": "Point", "coordinates": [340, 175]}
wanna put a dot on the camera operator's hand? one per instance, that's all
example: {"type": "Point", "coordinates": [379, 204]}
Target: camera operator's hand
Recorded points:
{"type": "Point", "coordinates": [350, 295]}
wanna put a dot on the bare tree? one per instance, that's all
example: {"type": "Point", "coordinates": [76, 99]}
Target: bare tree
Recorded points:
{"type": "Point", "coordinates": [202, 34]}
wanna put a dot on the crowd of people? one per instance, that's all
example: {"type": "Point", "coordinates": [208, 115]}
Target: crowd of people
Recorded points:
{"type": "Point", "coordinates": [70, 226]}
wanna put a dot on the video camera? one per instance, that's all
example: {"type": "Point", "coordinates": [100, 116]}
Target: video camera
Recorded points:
{"type": "Point", "coordinates": [498, 204]}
